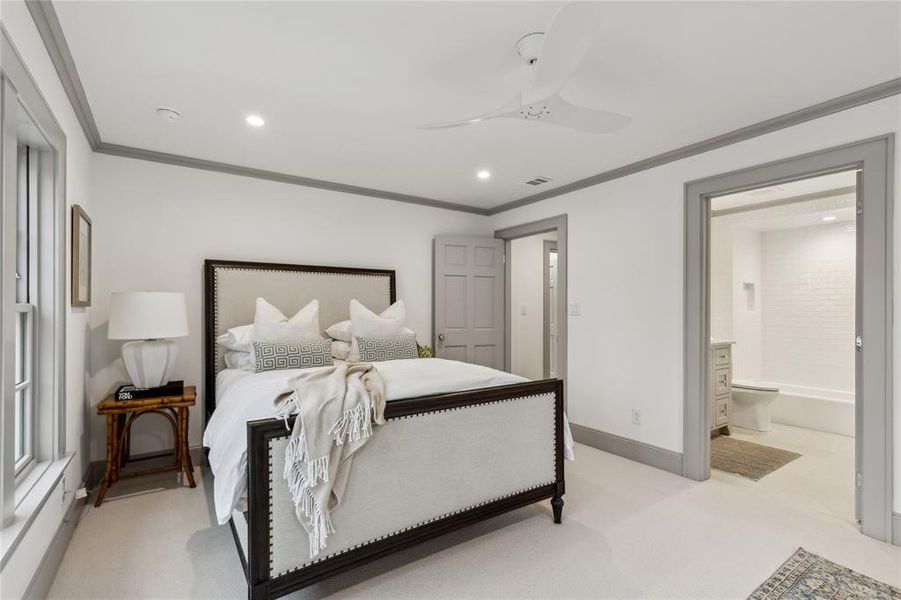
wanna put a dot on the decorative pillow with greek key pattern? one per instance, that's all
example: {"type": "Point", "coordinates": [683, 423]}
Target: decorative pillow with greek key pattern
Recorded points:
{"type": "Point", "coordinates": [387, 347]}
{"type": "Point", "coordinates": [271, 356]}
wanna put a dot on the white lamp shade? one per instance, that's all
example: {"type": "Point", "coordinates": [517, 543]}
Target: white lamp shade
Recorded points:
{"type": "Point", "coordinates": [147, 315]}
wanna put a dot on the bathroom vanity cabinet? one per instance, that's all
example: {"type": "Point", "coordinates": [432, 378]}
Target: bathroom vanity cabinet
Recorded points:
{"type": "Point", "coordinates": [719, 401]}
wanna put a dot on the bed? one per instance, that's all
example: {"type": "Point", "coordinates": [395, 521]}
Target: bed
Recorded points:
{"type": "Point", "coordinates": [441, 461]}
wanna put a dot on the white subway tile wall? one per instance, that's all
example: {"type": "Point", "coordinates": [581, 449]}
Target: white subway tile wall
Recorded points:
{"type": "Point", "coordinates": [808, 306]}
{"type": "Point", "coordinates": [800, 328]}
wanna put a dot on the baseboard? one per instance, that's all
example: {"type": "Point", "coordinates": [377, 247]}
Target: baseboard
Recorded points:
{"type": "Point", "coordinates": [896, 529]}
{"type": "Point", "coordinates": [647, 454]}
{"type": "Point", "coordinates": [95, 471]}
{"type": "Point", "coordinates": [42, 581]}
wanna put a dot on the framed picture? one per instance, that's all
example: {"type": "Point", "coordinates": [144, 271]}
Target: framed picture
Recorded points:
{"type": "Point", "coordinates": [81, 257]}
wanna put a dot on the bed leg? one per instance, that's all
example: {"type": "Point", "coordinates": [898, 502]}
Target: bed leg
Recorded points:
{"type": "Point", "coordinates": [557, 506]}
{"type": "Point", "coordinates": [258, 592]}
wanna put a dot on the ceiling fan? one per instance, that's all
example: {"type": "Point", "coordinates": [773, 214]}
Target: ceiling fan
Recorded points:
{"type": "Point", "coordinates": [553, 57]}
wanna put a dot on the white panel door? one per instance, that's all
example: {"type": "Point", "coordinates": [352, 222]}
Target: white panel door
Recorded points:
{"type": "Point", "coordinates": [469, 300]}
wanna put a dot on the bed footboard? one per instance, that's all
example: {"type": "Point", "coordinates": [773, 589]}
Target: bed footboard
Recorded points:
{"type": "Point", "coordinates": [439, 463]}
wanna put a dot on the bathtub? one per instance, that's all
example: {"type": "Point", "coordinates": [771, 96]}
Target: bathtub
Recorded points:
{"type": "Point", "coordinates": [813, 408]}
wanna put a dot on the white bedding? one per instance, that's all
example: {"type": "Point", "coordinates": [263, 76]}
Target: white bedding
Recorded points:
{"type": "Point", "coordinates": [244, 396]}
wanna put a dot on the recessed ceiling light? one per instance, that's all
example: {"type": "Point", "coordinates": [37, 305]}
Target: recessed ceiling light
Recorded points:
{"type": "Point", "coordinates": [168, 114]}
{"type": "Point", "coordinates": [483, 174]}
{"type": "Point", "coordinates": [830, 218]}
{"type": "Point", "coordinates": [255, 120]}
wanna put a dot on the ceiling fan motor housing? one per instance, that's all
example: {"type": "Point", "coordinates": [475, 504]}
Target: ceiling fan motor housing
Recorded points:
{"type": "Point", "coordinates": [529, 47]}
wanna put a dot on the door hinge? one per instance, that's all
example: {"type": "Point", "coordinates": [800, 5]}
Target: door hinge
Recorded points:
{"type": "Point", "coordinates": [859, 480]}
{"type": "Point", "coordinates": [858, 343]}
{"type": "Point", "coordinates": [504, 258]}
{"type": "Point", "coordinates": [859, 208]}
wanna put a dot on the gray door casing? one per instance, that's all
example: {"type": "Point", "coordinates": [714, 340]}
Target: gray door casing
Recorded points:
{"type": "Point", "coordinates": [875, 160]}
{"type": "Point", "coordinates": [558, 224]}
{"type": "Point", "coordinates": [551, 293]}
{"type": "Point", "coordinates": [468, 316]}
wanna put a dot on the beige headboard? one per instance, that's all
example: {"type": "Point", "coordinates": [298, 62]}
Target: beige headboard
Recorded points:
{"type": "Point", "coordinates": [232, 287]}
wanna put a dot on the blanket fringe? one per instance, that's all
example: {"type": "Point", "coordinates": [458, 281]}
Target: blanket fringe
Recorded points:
{"type": "Point", "coordinates": [302, 473]}
{"type": "Point", "coordinates": [300, 483]}
{"type": "Point", "coordinates": [354, 425]}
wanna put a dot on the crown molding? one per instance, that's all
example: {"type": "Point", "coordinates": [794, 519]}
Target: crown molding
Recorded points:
{"type": "Point", "coordinates": [209, 165]}
{"type": "Point", "coordinates": [50, 30]}
{"type": "Point", "coordinates": [858, 98]}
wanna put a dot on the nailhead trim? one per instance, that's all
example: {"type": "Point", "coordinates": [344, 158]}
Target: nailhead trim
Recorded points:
{"type": "Point", "coordinates": [216, 271]}
{"type": "Point", "coordinates": [438, 518]}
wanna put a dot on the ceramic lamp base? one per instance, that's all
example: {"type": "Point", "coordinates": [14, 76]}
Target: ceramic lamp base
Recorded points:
{"type": "Point", "coordinates": [149, 362]}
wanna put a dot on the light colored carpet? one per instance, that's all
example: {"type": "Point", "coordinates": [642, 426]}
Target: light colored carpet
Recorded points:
{"type": "Point", "coordinates": [806, 575]}
{"type": "Point", "coordinates": [747, 459]}
{"type": "Point", "coordinates": [629, 531]}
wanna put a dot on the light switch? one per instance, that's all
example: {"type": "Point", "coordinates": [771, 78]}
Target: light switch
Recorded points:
{"type": "Point", "coordinates": [522, 310]}
{"type": "Point", "coordinates": [575, 309]}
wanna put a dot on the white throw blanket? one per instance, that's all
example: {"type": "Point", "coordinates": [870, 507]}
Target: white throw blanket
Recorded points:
{"type": "Point", "coordinates": [335, 409]}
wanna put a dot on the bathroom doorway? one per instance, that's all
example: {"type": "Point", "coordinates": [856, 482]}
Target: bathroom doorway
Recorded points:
{"type": "Point", "coordinates": [708, 366]}
{"type": "Point", "coordinates": [782, 290]}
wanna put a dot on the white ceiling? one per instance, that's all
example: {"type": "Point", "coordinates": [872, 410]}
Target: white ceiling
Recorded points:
{"type": "Point", "coordinates": [791, 189]}
{"type": "Point", "coordinates": [839, 208]}
{"type": "Point", "coordinates": [343, 85]}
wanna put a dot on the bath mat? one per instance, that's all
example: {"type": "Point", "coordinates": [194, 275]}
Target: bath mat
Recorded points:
{"type": "Point", "coordinates": [746, 459]}
{"type": "Point", "coordinates": [808, 576]}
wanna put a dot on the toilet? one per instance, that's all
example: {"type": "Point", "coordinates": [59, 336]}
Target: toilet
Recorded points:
{"type": "Point", "coordinates": [752, 404]}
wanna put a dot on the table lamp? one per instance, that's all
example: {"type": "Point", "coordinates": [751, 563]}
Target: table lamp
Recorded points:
{"type": "Point", "coordinates": [150, 318]}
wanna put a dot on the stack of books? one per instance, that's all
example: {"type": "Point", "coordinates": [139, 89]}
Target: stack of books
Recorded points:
{"type": "Point", "coordinates": [130, 392]}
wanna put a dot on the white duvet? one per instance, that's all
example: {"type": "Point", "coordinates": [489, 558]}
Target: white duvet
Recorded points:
{"type": "Point", "coordinates": [245, 396]}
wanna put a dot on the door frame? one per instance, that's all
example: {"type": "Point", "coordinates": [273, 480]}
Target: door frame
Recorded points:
{"type": "Point", "coordinates": [547, 247]}
{"type": "Point", "coordinates": [509, 234]}
{"type": "Point", "coordinates": [875, 158]}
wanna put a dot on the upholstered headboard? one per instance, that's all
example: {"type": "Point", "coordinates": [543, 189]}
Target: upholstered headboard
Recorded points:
{"type": "Point", "coordinates": [231, 289]}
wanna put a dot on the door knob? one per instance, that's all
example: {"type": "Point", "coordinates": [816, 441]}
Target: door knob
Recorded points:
{"type": "Point", "coordinates": [440, 337]}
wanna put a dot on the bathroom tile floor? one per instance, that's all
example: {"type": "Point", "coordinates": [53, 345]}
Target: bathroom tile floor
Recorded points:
{"type": "Point", "coordinates": [822, 480]}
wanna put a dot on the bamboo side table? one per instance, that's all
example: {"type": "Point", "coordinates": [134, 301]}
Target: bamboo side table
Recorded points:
{"type": "Point", "coordinates": [120, 414]}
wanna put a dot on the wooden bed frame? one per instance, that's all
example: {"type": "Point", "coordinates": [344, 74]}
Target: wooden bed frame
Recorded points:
{"type": "Point", "coordinates": [256, 563]}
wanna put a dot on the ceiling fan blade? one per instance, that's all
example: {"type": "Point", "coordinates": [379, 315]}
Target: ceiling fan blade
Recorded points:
{"type": "Point", "coordinates": [580, 118]}
{"type": "Point", "coordinates": [569, 35]}
{"type": "Point", "coordinates": [511, 107]}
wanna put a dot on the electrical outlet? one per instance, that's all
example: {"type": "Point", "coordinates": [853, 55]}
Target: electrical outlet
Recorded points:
{"type": "Point", "coordinates": [636, 416]}
{"type": "Point", "coordinates": [575, 309]}
{"type": "Point", "coordinates": [81, 493]}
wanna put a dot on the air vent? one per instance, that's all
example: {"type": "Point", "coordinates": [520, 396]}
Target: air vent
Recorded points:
{"type": "Point", "coordinates": [538, 181]}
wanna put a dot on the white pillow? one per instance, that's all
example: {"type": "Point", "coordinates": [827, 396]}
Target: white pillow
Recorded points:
{"type": "Point", "coordinates": [270, 325]}
{"type": "Point", "coordinates": [237, 338]}
{"type": "Point", "coordinates": [239, 360]}
{"type": "Point", "coordinates": [365, 323]}
{"type": "Point", "coordinates": [340, 350]}
{"type": "Point", "coordinates": [341, 331]}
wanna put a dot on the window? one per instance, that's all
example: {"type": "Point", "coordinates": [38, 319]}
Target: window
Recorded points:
{"type": "Point", "coordinates": [26, 276]}
{"type": "Point", "coordinates": [32, 292]}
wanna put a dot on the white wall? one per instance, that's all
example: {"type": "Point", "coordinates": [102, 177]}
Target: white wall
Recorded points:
{"type": "Point", "coordinates": [527, 295]}
{"type": "Point", "coordinates": [155, 224]}
{"type": "Point", "coordinates": [720, 280]}
{"type": "Point", "coordinates": [626, 251]}
{"type": "Point", "coordinates": [21, 567]}
{"type": "Point", "coordinates": [747, 309]}
{"type": "Point", "coordinates": [808, 306]}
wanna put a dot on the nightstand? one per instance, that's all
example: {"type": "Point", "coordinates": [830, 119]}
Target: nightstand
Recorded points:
{"type": "Point", "coordinates": [120, 414]}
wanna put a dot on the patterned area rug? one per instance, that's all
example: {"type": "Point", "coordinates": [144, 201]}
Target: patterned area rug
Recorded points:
{"type": "Point", "coordinates": [746, 459]}
{"type": "Point", "coordinates": [810, 577]}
